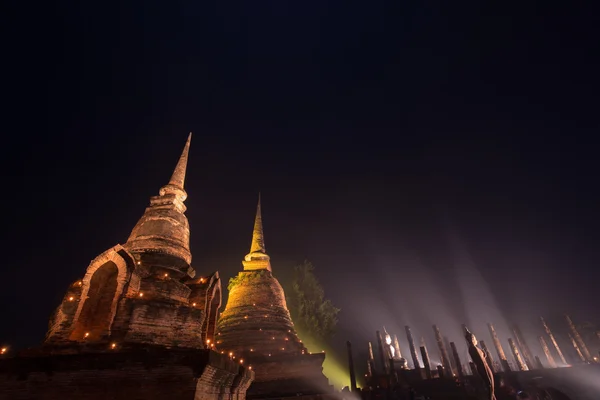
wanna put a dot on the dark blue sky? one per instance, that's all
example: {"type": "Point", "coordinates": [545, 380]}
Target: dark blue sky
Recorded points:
{"type": "Point", "coordinates": [381, 134]}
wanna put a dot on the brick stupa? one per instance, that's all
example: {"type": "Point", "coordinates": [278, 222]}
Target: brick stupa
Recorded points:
{"type": "Point", "coordinates": [139, 324]}
{"type": "Point", "coordinates": [143, 291]}
{"type": "Point", "coordinates": [256, 326]}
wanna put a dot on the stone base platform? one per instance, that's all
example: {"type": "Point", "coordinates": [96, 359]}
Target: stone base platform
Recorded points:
{"type": "Point", "coordinates": [288, 376]}
{"type": "Point", "coordinates": [140, 373]}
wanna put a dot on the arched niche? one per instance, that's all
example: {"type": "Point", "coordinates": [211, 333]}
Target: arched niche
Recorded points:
{"type": "Point", "coordinates": [103, 285]}
{"type": "Point", "coordinates": [213, 305]}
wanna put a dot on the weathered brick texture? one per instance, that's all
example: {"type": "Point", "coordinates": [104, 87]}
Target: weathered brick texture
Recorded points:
{"type": "Point", "coordinates": [256, 321]}
{"type": "Point", "coordinates": [129, 375]}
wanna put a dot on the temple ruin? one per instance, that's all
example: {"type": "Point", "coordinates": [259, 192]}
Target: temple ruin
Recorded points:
{"type": "Point", "coordinates": [144, 291]}
{"type": "Point", "coordinates": [140, 317]}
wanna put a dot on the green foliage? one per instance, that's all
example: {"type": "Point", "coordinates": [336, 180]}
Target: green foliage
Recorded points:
{"type": "Point", "coordinates": [244, 277]}
{"type": "Point", "coordinates": [311, 312]}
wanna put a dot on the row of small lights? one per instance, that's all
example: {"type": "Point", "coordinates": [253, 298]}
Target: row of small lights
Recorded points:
{"type": "Point", "coordinates": [167, 275]}
{"type": "Point", "coordinates": [254, 304]}
{"type": "Point", "coordinates": [231, 356]}
{"type": "Point", "coordinates": [260, 329]}
{"type": "Point", "coordinates": [269, 354]}
{"type": "Point", "coordinates": [273, 338]}
{"type": "Point", "coordinates": [113, 345]}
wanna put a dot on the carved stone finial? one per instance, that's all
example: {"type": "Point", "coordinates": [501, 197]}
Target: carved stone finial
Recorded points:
{"type": "Point", "coordinates": [258, 237]}
{"type": "Point", "coordinates": [257, 258]}
{"type": "Point", "coordinates": [177, 181]}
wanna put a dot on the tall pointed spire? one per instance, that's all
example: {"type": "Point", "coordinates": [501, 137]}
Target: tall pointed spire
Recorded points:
{"type": "Point", "coordinates": [257, 258]}
{"type": "Point", "coordinates": [178, 177]}
{"type": "Point", "coordinates": [258, 237]}
{"type": "Point", "coordinates": [177, 181]}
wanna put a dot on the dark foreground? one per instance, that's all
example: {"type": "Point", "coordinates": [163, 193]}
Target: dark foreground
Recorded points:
{"type": "Point", "coordinates": [580, 382]}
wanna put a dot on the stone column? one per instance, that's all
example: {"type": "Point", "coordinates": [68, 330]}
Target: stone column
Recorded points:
{"type": "Point", "coordinates": [426, 363]}
{"type": "Point", "coordinates": [538, 363]}
{"type": "Point", "coordinates": [371, 361]}
{"type": "Point", "coordinates": [499, 349]}
{"type": "Point", "coordinates": [579, 340]}
{"type": "Point", "coordinates": [459, 369]}
{"type": "Point", "coordinates": [525, 351]}
{"type": "Point", "coordinates": [577, 349]}
{"type": "Point", "coordinates": [397, 348]}
{"type": "Point", "coordinates": [553, 340]}
{"type": "Point", "coordinates": [547, 353]}
{"type": "Point", "coordinates": [382, 356]}
{"type": "Point", "coordinates": [413, 349]}
{"type": "Point", "coordinates": [518, 360]}
{"type": "Point", "coordinates": [351, 367]}
{"type": "Point", "coordinates": [488, 355]}
{"type": "Point", "coordinates": [369, 369]}
{"type": "Point", "coordinates": [450, 356]}
{"type": "Point", "coordinates": [442, 348]}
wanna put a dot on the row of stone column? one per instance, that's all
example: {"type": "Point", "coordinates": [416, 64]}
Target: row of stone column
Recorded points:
{"type": "Point", "coordinates": [523, 357]}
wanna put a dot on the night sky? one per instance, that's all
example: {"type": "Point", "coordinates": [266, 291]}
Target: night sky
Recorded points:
{"type": "Point", "coordinates": [436, 161]}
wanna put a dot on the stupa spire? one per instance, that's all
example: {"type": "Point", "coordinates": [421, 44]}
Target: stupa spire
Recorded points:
{"type": "Point", "coordinates": [177, 181]}
{"type": "Point", "coordinates": [164, 228]}
{"type": "Point", "coordinates": [258, 237]}
{"type": "Point", "coordinates": [178, 177]}
{"type": "Point", "coordinates": [257, 258]}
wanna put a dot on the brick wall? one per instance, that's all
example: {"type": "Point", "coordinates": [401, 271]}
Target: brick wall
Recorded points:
{"type": "Point", "coordinates": [129, 375]}
{"type": "Point", "coordinates": [165, 323]}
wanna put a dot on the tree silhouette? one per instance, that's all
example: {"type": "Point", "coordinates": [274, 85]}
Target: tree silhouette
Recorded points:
{"type": "Point", "coordinates": [313, 314]}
